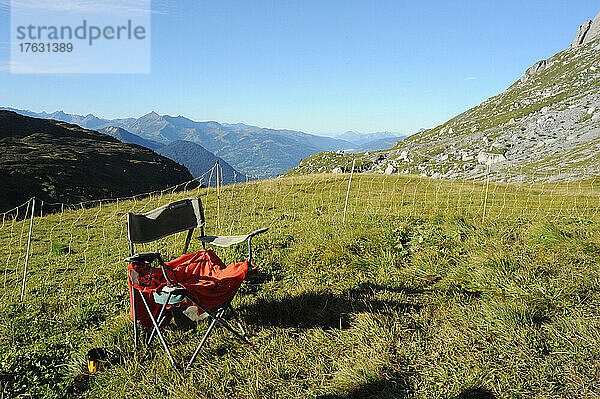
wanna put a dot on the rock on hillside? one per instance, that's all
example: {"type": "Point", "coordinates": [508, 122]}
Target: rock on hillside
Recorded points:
{"type": "Point", "coordinates": [545, 127]}
{"type": "Point", "coordinates": [60, 162]}
{"type": "Point", "coordinates": [587, 32]}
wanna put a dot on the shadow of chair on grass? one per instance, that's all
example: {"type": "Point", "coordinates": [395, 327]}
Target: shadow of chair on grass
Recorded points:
{"type": "Point", "coordinates": [400, 388]}
{"type": "Point", "coordinates": [381, 389]}
{"type": "Point", "coordinates": [475, 393]}
{"type": "Point", "coordinates": [325, 309]}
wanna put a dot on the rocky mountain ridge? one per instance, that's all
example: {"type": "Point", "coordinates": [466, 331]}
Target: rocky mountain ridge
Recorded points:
{"type": "Point", "coordinates": [587, 32]}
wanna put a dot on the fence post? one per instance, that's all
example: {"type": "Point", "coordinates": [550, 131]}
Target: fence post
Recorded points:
{"type": "Point", "coordinates": [28, 247]}
{"type": "Point", "coordinates": [487, 185]}
{"type": "Point", "coordinates": [218, 167]}
{"type": "Point", "coordinates": [348, 192]}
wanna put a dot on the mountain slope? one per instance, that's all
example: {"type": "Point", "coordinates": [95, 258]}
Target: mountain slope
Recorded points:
{"type": "Point", "coordinates": [199, 162]}
{"type": "Point", "coordinates": [60, 162]}
{"type": "Point", "coordinates": [126, 137]}
{"type": "Point", "coordinates": [545, 127]}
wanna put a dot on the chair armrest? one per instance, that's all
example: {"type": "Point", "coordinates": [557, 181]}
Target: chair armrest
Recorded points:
{"type": "Point", "coordinates": [255, 232]}
{"type": "Point", "coordinates": [146, 258]}
{"type": "Point", "coordinates": [227, 241]}
{"type": "Point", "coordinates": [223, 241]}
{"type": "Point", "coordinates": [143, 258]}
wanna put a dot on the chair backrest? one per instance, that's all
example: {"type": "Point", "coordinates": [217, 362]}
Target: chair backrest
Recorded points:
{"type": "Point", "coordinates": [178, 216]}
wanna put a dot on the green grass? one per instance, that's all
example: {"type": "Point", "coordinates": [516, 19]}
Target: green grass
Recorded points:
{"type": "Point", "coordinates": [419, 294]}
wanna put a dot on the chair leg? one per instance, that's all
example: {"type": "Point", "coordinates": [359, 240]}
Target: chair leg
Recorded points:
{"type": "Point", "coordinates": [213, 323]}
{"type": "Point", "coordinates": [135, 327]}
{"type": "Point", "coordinates": [160, 317]}
{"type": "Point", "coordinates": [225, 324]}
{"type": "Point", "coordinates": [238, 320]}
{"type": "Point", "coordinates": [220, 321]}
{"type": "Point", "coordinates": [159, 321]}
{"type": "Point", "coordinates": [160, 336]}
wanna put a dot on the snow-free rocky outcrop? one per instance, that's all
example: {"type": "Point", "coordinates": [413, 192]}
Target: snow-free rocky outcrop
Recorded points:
{"type": "Point", "coordinates": [587, 32]}
{"type": "Point", "coordinates": [545, 127]}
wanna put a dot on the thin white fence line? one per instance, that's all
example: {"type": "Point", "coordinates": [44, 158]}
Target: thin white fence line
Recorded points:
{"type": "Point", "coordinates": [374, 195]}
{"type": "Point", "coordinates": [16, 208]}
{"type": "Point", "coordinates": [28, 247]}
{"type": "Point", "coordinates": [348, 192]}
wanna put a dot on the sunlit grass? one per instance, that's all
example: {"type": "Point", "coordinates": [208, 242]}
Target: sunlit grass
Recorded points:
{"type": "Point", "coordinates": [419, 294]}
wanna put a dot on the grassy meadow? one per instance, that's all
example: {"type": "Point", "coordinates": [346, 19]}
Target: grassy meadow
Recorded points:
{"type": "Point", "coordinates": [428, 289]}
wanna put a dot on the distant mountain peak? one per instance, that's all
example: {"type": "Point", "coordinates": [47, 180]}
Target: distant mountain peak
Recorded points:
{"type": "Point", "coordinates": [151, 115]}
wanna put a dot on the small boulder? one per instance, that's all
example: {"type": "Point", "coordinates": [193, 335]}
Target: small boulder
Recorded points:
{"type": "Point", "coordinates": [535, 69]}
{"type": "Point", "coordinates": [390, 170]}
{"type": "Point", "coordinates": [337, 170]}
{"type": "Point", "coordinates": [490, 158]}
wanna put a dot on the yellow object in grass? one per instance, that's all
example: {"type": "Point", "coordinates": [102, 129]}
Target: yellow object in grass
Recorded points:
{"type": "Point", "coordinates": [97, 357]}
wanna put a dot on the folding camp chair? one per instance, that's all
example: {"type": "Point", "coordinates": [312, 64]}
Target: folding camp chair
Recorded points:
{"type": "Point", "coordinates": [156, 290]}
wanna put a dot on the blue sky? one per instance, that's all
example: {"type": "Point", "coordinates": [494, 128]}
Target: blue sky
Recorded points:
{"type": "Point", "coordinates": [323, 67]}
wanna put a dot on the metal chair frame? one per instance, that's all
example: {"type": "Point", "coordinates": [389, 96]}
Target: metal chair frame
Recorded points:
{"type": "Point", "coordinates": [218, 314]}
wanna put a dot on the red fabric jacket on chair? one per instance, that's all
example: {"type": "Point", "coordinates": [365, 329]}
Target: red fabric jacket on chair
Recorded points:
{"type": "Point", "coordinates": [203, 274]}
